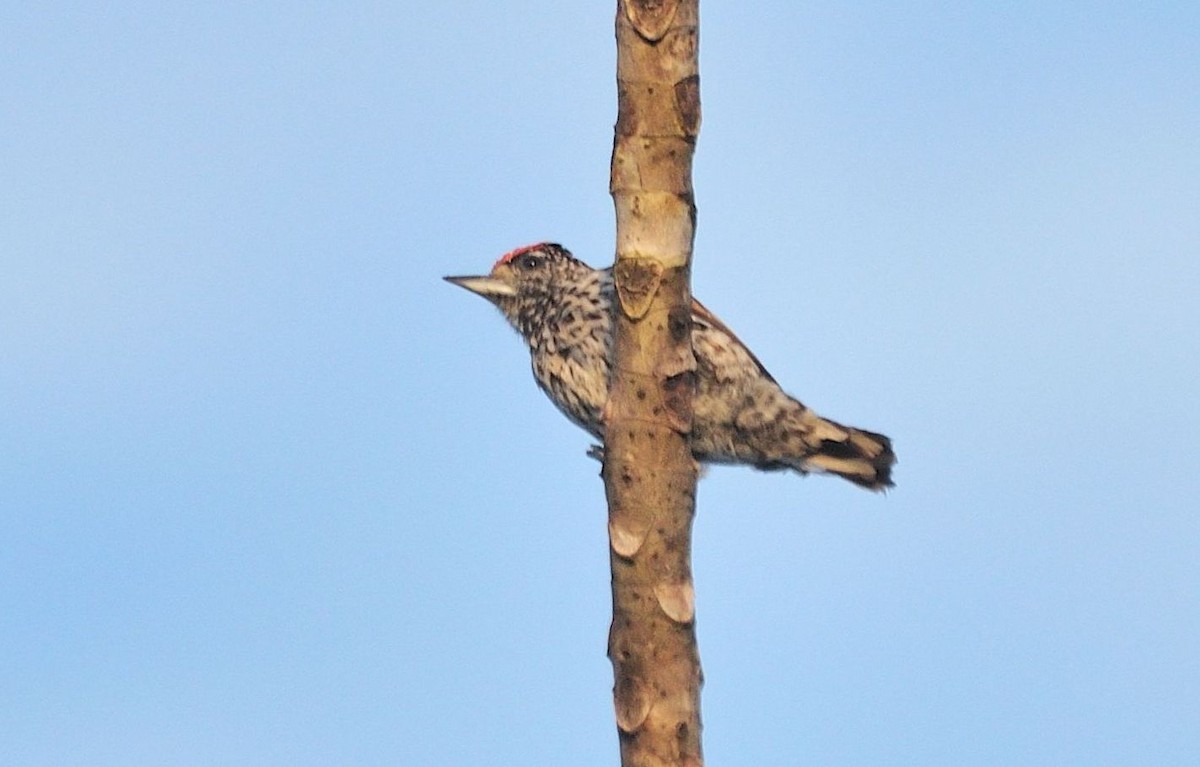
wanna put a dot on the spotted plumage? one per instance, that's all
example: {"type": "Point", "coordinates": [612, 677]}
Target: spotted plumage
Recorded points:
{"type": "Point", "coordinates": [563, 309]}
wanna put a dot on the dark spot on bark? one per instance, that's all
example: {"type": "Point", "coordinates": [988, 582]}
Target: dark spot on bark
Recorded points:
{"type": "Point", "coordinates": [677, 391]}
{"type": "Point", "coordinates": [687, 103]}
{"type": "Point", "coordinates": [679, 321]}
{"type": "Point", "coordinates": [641, 394]}
{"type": "Point", "coordinates": [627, 115]}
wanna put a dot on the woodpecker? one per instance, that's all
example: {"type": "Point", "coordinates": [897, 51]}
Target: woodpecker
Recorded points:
{"type": "Point", "coordinates": [563, 308]}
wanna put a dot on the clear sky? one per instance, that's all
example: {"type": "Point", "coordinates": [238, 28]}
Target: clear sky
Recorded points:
{"type": "Point", "coordinates": [273, 493]}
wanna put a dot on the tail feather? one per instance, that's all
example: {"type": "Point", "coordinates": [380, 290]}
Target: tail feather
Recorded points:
{"type": "Point", "coordinates": [862, 457]}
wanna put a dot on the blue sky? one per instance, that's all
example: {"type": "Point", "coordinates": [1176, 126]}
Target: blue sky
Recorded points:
{"type": "Point", "coordinates": [272, 493]}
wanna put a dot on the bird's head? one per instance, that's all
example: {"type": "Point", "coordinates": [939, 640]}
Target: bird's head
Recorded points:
{"type": "Point", "coordinates": [529, 283]}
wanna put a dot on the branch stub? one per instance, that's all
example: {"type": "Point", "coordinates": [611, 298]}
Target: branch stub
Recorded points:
{"type": "Point", "coordinates": [637, 282]}
{"type": "Point", "coordinates": [651, 18]}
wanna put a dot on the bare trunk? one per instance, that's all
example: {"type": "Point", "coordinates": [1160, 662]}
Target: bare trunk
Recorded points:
{"type": "Point", "coordinates": [649, 472]}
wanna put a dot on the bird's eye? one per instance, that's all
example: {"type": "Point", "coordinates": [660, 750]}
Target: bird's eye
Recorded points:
{"type": "Point", "coordinates": [529, 261]}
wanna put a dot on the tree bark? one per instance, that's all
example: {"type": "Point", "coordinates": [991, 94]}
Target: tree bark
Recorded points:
{"type": "Point", "coordinates": [649, 472]}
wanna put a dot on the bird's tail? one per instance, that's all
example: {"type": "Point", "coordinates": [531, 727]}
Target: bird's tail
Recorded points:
{"type": "Point", "coordinates": [863, 457]}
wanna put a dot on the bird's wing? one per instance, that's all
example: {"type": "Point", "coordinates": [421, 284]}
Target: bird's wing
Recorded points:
{"type": "Point", "coordinates": [721, 346]}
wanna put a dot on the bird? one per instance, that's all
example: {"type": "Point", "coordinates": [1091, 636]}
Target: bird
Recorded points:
{"type": "Point", "coordinates": [564, 309]}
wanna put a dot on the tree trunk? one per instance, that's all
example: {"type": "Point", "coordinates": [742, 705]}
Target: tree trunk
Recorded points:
{"type": "Point", "coordinates": [649, 472]}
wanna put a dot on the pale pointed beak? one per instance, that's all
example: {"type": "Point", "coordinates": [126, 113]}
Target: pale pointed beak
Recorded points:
{"type": "Point", "coordinates": [488, 287]}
